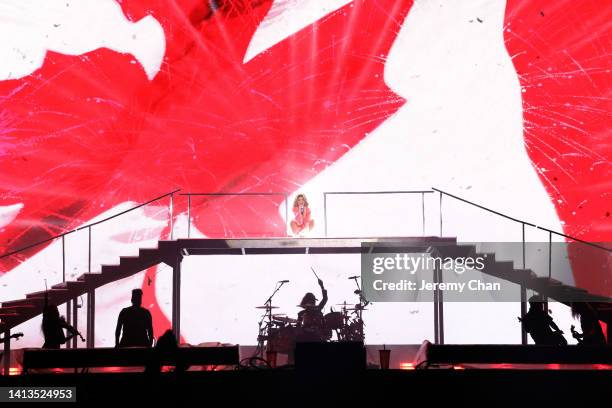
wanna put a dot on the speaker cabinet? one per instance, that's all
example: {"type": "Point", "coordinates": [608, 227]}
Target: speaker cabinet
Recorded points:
{"type": "Point", "coordinates": [341, 356]}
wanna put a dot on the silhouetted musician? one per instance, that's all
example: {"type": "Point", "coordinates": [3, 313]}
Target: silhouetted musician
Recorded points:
{"type": "Point", "coordinates": [53, 326]}
{"type": "Point", "coordinates": [540, 325]}
{"type": "Point", "coordinates": [592, 333]}
{"type": "Point", "coordinates": [136, 324]}
{"type": "Point", "coordinates": [311, 318]}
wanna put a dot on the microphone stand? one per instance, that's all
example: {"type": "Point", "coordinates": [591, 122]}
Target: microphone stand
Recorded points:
{"type": "Point", "coordinates": [268, 314]}
{"type": "Point", "coordinates": [363, 302]}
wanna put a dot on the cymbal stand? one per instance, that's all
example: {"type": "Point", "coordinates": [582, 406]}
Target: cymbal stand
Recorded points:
{"type": "Point", "coordinates": [264, 331]}
{"type": "Point", "coordinates": [363, 302]}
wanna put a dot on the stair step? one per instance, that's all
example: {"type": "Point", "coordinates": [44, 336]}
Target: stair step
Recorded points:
{"type": "Point", "coordinates": [18, 308]}
{"type": "Point", "coordinates": [110, 268]}
{"type": "Point", "coordinates": [91, 277]}
{"type": "Point", "coordinates": [166, 244]}
{"type": "Point", "coordinates": [20, 302]}
{"type": "Point", "coordinates": [136, 264]}
{"type": "Point", "coordinates": [500, 269]}
{"type": "Point", "coordinates": [68, 285]}
{"type": "Point", "coordinates": [148, 252]}
{"type": "Point", "coordinates": [545, 280]}
{"type": "Point", "coordinates": [486, 255]}
{"type": "Point", "coordinates": [457, 251]}
{"type": "Point", "coordinates": [504, 265]}
{"type": "Point", "coordinates": [75, 284]}
{"type": "Point", "coordinates": [51, 293]}
{"type": "Point", "coordinates": [143, 256]}
{"type": "Point", "coordinates": [129, 258]}
{"type": "Point", "coordinates": [522, 275]}
{"type": "Point", "coordinates": [136, 260]}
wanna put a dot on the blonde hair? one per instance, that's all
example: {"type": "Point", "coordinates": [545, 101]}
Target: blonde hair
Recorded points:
{"type": "Point", "coordinates": [295, 202]}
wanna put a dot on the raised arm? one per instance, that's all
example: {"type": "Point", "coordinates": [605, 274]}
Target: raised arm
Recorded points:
{"type": "Point", "coordinates": [324, 298]}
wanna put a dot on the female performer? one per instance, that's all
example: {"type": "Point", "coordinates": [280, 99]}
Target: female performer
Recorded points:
{"type": "Point", "coordinates": [301, 221]}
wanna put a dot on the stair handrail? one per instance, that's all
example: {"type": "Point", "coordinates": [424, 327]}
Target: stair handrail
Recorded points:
{"type": "Point", "coordinates": [513, 219]}
{"type": "Point", "coordinates": [88, 225]}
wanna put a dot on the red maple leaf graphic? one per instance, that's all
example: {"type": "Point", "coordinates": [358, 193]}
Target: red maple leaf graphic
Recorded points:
{"type": "Point", "coordinates": [84, 134]}
{"type": "Point", "coordinates": [562, 54]}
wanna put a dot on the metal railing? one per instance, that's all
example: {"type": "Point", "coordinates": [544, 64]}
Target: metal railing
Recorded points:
{"type": "Point", "coordinates": [421, 192]}
{"type": "Point", "coordinates": [523, 241]}
{"type": "Point", "coordinates": [71, 309]}
{"type": "Point", "coordinates": [91, 295]}
{"type": "Point", "coordinates": [523, 224]}
{"type": "Point", "coordinates": [189, 195]}
{"type": "Point", "coordinates": [89, 226]}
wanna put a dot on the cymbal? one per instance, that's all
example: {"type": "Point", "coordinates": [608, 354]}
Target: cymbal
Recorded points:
{"type": "Point", "coordinates": [352, 305]}
{"type": "Point", "coordinates": [267, 307]}
{"type": "Point", "coordinates": [284, 319]}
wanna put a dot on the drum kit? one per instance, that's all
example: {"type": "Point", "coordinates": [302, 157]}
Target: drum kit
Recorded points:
{"type": "Point", "coordinates": [279, 333]}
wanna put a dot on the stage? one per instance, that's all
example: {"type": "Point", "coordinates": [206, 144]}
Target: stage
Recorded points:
{"type": "Point", "coordinates": [287, 387]}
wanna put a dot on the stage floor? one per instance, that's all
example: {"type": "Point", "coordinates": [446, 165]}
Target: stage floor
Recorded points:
{"type": "Point", "coordinates": [289, 387]}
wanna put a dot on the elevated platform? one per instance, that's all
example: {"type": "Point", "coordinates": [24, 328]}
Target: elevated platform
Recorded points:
{"type": "Point", "coordinates": [508, 354]}
{"type": "Point", "coordinates": [14, 312]}
{"type": "Point", "coordinates": [299, 245]}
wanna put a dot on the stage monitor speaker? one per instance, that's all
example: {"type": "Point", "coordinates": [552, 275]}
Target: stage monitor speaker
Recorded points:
{"type": "Point", "coordinates": [341, 356]}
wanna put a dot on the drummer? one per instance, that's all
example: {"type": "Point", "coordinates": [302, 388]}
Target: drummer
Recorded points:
{"type": "Point", "coordinates": [311, 318]}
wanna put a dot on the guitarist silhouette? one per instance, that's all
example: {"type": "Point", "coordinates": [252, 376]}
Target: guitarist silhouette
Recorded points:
{"type": "Point", "coordinates": [53, 326]}
{"type": "Point", "coordinates": [592, 333]}
{"type": "Point", "coordinates": [540, 325]}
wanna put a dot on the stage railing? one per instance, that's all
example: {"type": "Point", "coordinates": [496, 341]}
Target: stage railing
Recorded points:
{"type": "Point", "coordinates": [409, 192]}
{"type": "Point", "coordinates": [72, 306]}
{"type": "Point", "coordinates": [523, 224]}
{"type": "Point", "coordinates": [189, 195]}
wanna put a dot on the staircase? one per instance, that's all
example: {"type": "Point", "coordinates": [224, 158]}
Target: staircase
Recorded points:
{"type": "Point", "coordinates": [15, 312]}
{"type": "Point", "coordinates": [545, 286]}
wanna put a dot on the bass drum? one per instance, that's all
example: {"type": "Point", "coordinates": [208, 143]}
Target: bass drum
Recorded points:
{"type": "Point", "coordinates": [282, 340]}
{"type": "Point", "coordinates": [334, 321]}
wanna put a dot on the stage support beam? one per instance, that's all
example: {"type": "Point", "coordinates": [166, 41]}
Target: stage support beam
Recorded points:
{"type": "Point", "coordinates": [438, 308]}
{"type": "Point", "coordinates": [523, 312]}
{"type": "Point", "coordinates": [75, 320]}
{"type": "Point", "coordinates": [176, 296]}
{"type": "Point", "coordinates": [91, 319]}
{"type": "Point", "coordinates": [6, 356]}
{"type": "Point", "coordinates": [68, 319]}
